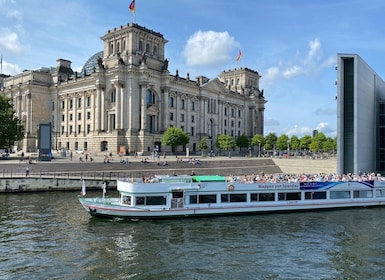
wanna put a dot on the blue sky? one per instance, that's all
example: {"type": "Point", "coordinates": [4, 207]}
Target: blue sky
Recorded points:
{"type": "Point", "coordinates": [292, 44]}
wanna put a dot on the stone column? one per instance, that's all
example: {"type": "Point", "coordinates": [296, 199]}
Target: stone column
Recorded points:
{"type": "Point", "coordinates": [143, 107]}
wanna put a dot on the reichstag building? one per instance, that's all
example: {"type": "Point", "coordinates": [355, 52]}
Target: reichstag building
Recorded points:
{"type": "Point", "coordinates": [125, 98]}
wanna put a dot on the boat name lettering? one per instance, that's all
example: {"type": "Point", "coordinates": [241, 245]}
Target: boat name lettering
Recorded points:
{"type": "Point", "coordinates": [279, 186]}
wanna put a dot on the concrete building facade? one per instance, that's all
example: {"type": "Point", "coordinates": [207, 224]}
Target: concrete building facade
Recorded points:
{"type": "Point", "coordinates": [361, 116]}
{"type": "Point", "coordinates": [125, 98]}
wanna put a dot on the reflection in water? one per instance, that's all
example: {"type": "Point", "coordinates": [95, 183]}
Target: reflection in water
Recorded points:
{"type": "Point", "coordinates": [49, 236]}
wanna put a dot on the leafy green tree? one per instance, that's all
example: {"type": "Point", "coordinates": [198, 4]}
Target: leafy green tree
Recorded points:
{"type": "Point", "coordinates": [294, 142]}
{"type": "Point", "coordinates": [305, 142]}
{"type": "Point", "coordinates": [11, 129]}
{"type": "Point", "coordinates": [175, 137]}
{"type": "Point", "coordinates": [258, 139]}
{"type": "Point", "coordinates": [242, 141]}
{"type": "Point", "coordinates": [202, 145]}
{"type": "Point", "coordinates": [270, 141]}
{"type": "Point", "coordinates": [282, 142]}
{"type": "Point", "coordinates": [328, 145]}
{"type": "Point", "coordinates": [225, 142]}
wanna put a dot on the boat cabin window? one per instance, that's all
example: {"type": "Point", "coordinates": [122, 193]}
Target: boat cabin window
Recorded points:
{"type": "Point", "coordinates": [339, 194]}
{"type": "Point", "coordinates": [150, 200]}
{"type": "Point", "coordinates": [315, 195]}
{"type": "Point", "coordinates": [362, 194]}
{"type": "Point", "coordinates": [262, 196]}
{"type": "Point", "coordinates": [234, 197]}
{"type": "Point", "coordinates": [380, 193]}
{"type": "Point", "coordinates": [127, 199]}
{"type": "Point", "coordinates": [203, 199]}
{"type": "Point", "coordinates": [289, 196]}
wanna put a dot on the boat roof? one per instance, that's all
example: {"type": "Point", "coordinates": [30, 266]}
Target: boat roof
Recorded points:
{"type": "Point", "coordinates": [208, 178]}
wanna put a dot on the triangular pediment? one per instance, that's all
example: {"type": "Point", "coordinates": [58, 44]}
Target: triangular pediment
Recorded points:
{"type": "Point", "coordinates": [214, 85]}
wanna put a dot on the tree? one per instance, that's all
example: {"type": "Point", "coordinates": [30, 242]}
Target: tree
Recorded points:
{"type": "Point", "coordinates": [11, 129]}
{"type": "Point", "coordinates": [305, 142]}
{"type": "Point", "coordinates": [294, 143]}
{"type": "Point", "coordinates": [202, 145]}
{"type": "Point", "coordinates": [270, 141]}
{"type": "Point", "coordinates": [225, 142]}
{"type": "Point", "coordinates": [175, 137]}
{"type": "Point", "coordinates": [242, 141]}
{"type": "Point", "coordinates": [282, 142]}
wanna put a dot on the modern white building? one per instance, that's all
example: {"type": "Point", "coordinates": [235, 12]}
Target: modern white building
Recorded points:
{"type": "Point", "coordinates": [125, 98]}
{"type": "Point", "coordinates": [361, 116]}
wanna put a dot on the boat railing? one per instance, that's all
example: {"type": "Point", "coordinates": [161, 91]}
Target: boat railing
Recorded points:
{"type": "Point", "coordinates": [177, 203]}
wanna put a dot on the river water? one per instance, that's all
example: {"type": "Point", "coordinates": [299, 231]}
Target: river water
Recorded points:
{"type": "Point", "coordinates": [50, 236]}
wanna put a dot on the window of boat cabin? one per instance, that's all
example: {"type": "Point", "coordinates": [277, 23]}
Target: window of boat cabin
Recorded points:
{"type": "Point", "coordinates": [362, 194]}
{"type": "Point", "coordinates": [233, 197]}
{"type": "Point", "coordinates": [262, 197]}
{"type": "Point", "coordinates": [203, 198]}
{"type": "Point", "coordinates": [380, 193]}
{"type": "Point", "coordinates": [339, 194]}
{"type": "Point", "coordinates": [289, 196]}
{"type": "Point", "coordinates": [127, 199]}
{"type": "Point", "coordinates": [315, 195]}
{"type": "Point", "coordinates": [150, 200]}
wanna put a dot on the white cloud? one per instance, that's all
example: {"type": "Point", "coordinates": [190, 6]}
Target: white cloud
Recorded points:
{"type": "Point", "coordinates": [10, 69]}
{"type": "Point", "coordinates": [10, 41]}
{"type": "Point", "coordinates": [298, 131]}
{"type": "Point", "coordinates": [271, 122]}
{"type": "Point", "coordinates": [292, 71]}
{"type": "Point", "coordinates": [209, 49]}
{"type": "Point", "coordinates": [270, 75]}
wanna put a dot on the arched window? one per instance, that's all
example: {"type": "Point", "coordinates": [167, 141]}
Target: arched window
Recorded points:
{"type": "Point", "coordinates": [150, 98]}
{"type": "Point", "coordinates": [140, 45]}
{"type": "Point", "coordinates": [155, 51]}
{"type": "Point", "coordinates": [124, 45]}
{"type": "Point", "coordinates": [147, 48]}
{"type": "Point", "coordinates": [111, 51]}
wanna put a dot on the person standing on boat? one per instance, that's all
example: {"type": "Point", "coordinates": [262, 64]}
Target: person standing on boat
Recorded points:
{"type": "Point", "coordinates": [27, 171]}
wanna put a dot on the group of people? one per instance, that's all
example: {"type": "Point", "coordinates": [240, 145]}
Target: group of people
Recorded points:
{"type": "Point", "coordinates": [294, 178]}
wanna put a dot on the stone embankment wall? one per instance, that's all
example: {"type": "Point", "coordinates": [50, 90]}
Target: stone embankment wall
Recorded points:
{"type": "Point", "coordinates": [29, 184]}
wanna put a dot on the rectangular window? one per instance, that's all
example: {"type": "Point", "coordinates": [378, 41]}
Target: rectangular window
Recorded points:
{"type": "Point", "coordinates": [192, 118]}
{"type": "Point", "coordinates": [79, 116]}
{"type": "Point", "coordinates": [150, 200]}
{"type": "Point", "coordinates": [239, 114]}
{"type": "Point", "coordinates": [289, 196]}
{"type": "Point", "coordinates": [234, 197]}
{"type": "Point", "coordinates": [62, 118]}
{"type": "Point", "coordinates": [79, 102]}
{"type": "Point", "coordinates": [88, 115]}
{"type": "Point", "coordinates": [62, 129]}
{"type": "Point", "coordinates": [207, 198]}
{"type": "Point", "coordinates": [71, 104]}
{"type": "Point", "coordinates": [79, 128]}
{"type": "Point", "coordinates": [182, 104]}
{"type": "Point", "coordinates": [70, 117]}
{"type": "Point", "coordinates": [88, 101]}
{"type": "Point", "coordinates": [262, 196]}
{"type": "Point", "coordinates": [193, 199]}
{"type": "Point", "coordinates": [70, 129]}
{"type": "Point", "coordinates": [63, 104]}
{"type": "Point", "coordinates": [171, 102]}
{"type": "Point", "coordinates": [53, 106]}
{"type": "Point", "coordinates": [225, 111]}
{"type": "Point", "coordinates": [315, 195]}
{"type": "Point", "coordinates": [88, 128]}
{"type": "Point", "coordinates": [192, 131]}
{"type": "Point", "coordinates": [339, 194]}
{"type": "Point", "coordinates": [182, 117]}
{"type": "Point", "coordinates": [362, 194]}
{"type": "Point", "coordinates": [171, 116]}
{"type": "Point", "coordinates": [232, 112]}
{"type": "Point", "coordinates": [192, 105]}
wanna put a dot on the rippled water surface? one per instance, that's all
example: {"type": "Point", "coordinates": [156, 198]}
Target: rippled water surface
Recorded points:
{"type": "Point", "coordinates": [50, 236]}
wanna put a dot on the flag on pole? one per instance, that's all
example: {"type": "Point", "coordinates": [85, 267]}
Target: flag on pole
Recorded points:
{"type": "Point", "coordinates": [239, 56]}
{"type": "Point", "coordinates": [131, 7]}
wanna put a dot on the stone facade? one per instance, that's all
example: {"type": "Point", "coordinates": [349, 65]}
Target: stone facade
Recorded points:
{"type": "Point", "coordinates": [125, 98]}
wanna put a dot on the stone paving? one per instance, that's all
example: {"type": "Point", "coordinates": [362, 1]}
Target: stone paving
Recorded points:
{"type": "Point", "coordinates": [217, 165]}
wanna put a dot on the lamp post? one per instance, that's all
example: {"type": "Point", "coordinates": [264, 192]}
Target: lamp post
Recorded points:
{"type": "Point", "coordinates": [288, 148]}
{"type": "Point", "coordinates": [259, 148]}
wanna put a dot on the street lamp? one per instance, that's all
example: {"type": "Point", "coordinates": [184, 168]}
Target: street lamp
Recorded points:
{"type": "Point", "coordinates": [259, 148]}
{"type": "Point", "coordinates": [288, 148]}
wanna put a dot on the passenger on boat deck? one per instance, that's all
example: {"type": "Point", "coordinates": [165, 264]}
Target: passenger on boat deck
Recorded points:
{"type": "Point", "coordinates": [148, 179]}
{"type": "Point", "coordinates": [144, 160]}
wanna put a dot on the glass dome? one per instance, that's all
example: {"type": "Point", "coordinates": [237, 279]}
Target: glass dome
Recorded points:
{"type": "Point", "coordinates": [91, 63]}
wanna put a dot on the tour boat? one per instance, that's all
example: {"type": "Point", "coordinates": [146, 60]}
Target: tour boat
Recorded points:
{"type": "Point", "coordinates": [165, 196]}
